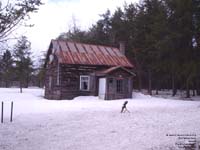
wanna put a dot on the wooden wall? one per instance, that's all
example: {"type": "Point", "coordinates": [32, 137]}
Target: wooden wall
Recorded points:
{"type": "Point", "coordinates": [127, 85]}
{"type": "Point", "coordinates": [68, 86]}
{"type": "Point", "coordinates": [53, 91]}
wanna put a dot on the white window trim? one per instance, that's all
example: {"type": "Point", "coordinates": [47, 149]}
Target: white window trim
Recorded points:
{"type": "Point", "coordinates": [88, 82]}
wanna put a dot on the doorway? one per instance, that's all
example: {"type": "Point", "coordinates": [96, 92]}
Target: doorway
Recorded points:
{"type": "Point", "coordinates": [102, 88]}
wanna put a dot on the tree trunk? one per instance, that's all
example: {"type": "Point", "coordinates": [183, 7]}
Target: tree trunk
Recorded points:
{"type": "Point", "coordinates": [138, 71]}
{"type": "Point", "coordinates": [198, 92]}
{"type": "Point", "coordinates": [139, 81]}
{"type": "Point", "coordinates": [174, 89]}
{"type": "Point", "coordinates": [193, 92]}
{"type": "Point", "coordinates": [20, 86]}
{"type": "Point", "coordinates": [6, 81]}
{"type": "Point", "coordinates": [198, 87]}
{"type": "Point", "coordinates": [149, 78]}
{"type": "Point", "coordinates": [156, 91]}
{"type": "Point", "coordinates": [187, 89]}
{"type": "Point", "coordinates": [193, 88]}
{"type": "Point", "coordinates": [157, 88]}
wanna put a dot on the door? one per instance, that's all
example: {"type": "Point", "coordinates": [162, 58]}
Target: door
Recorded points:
{"type": "Point", "coordinates": [102, 88]}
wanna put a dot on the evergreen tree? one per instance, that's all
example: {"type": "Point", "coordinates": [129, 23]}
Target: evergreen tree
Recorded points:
{"type": "Point", "coordinates": [24, 65]}
{"type": "Point", "coordinates": [162, 40]}
{"type": "Point", "coordinates": [150, 36]}
{"type": "Point", "coordinates": [196, 41]}
{"type": "Point", "coordinates": [40, 71]}
{"type": "Point", "coordinates": [6, 67]}
{"type": "Point", "coordinates": [180, 39]}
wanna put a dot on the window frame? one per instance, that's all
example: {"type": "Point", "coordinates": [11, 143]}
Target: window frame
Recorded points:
{"type": "Point", "coordinates": [119, 86]}
{"type": "Point", "coordinates": [82, 76]}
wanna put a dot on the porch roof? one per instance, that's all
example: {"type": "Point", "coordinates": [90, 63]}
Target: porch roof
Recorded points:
{"type": "Point", "coordinates": [109, 70]}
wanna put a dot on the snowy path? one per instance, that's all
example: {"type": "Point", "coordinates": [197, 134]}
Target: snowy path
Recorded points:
{"type": "Point", "coordinates": [91, 124]}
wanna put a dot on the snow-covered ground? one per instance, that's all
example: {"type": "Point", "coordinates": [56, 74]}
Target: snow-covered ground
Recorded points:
{"type": "Point", "coordinates": [88, 123]}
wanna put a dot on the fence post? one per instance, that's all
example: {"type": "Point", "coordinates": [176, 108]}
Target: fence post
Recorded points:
{"type": "Point", "coordinates": [11, 112]}
{"type": "Point", "coordinates": [197, 145]}
{"type": "Point", "coordinates": [1, 112]}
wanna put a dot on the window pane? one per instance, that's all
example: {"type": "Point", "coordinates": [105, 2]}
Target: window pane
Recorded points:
{"type": "Point", "coordinates": [84, 83]}
{"type": "Point", "coordinates": [84, 78]}
{"type": "Point", "coordinates": [119, 86]}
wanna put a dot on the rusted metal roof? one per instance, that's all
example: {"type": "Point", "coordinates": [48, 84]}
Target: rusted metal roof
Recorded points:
{"type": "Point", "coordinates": [69, 52]}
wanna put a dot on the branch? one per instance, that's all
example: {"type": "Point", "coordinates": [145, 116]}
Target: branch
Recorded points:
{"type": "Point", "coordinates": [12, 14]}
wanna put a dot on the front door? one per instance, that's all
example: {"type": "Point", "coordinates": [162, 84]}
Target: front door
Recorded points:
{"type": "Point", "coordinates": [102, 88]}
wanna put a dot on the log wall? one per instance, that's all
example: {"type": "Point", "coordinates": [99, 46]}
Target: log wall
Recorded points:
{"type": "Point", "coordinates": [65, 82]}
{"type": "Point", "coordinates": [70, 85]}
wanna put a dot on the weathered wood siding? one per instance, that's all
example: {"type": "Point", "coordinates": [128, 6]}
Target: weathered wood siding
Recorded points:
{"type": "Point", "coordinates": [127, 85]}
{"type": "Point", "coordinates": [52, 88]}
{"type": "Point", "coordinates": [70, 85]}
{"type": "Point", "coordinates": [65, 82]}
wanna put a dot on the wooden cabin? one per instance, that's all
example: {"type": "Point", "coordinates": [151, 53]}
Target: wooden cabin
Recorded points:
{"type": "Point", "coordinates": [77, 69]}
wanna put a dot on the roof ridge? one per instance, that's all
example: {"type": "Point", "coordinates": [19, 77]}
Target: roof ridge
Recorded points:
{"type": "Point", "coordinates": [72, 41]}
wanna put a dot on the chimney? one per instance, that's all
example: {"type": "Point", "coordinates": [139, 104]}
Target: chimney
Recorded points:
{"type": "Point", "coordinates": [122, 47]}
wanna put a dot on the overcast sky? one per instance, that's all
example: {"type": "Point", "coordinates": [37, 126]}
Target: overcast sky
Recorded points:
{"type": "Point", "coordinates": [55, 17]}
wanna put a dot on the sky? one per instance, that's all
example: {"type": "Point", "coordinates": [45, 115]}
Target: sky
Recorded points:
{"type": "Point", "coordinates": [56, 16]}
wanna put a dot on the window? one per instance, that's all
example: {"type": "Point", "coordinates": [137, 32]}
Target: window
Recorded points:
{"type": "Point", "coordinates": [119, 86]}
{"type": "Point", "coordinates": [84, 83]}
{"type": "Point", "coordinates": [110, 81]}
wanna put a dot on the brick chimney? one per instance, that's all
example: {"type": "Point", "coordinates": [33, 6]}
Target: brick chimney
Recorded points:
{"type": "Point", "coordinates": [122, 47]}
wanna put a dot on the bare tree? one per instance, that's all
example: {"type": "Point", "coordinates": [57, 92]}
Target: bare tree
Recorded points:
{"type": "Point", "coordinates": [14, 13]}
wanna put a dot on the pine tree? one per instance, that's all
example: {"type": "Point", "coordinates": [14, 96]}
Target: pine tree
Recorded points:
{"type": "Point", "coordinates": [24, 65]}
{"type": "Point", "coordinates": [162, 40]}
{"type": "Point", "coordinates": [6, 67]}
{"type": "Point", "coordinates": [196, 41]}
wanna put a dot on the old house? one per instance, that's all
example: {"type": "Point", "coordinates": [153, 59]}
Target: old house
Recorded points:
{"type": "Point", "coordinates": [76, 69]}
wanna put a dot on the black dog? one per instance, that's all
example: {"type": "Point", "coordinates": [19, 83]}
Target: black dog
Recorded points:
{"type": "Point", "coordinates": [124, 109]}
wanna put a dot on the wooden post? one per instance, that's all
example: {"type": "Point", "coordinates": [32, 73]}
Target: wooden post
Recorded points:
{"type": "Point", "coordinates": [197, 145]}
{"type": "Point", "coordinates": [1, 112]}
{"type": "Point", "coordinates": [11, 112]}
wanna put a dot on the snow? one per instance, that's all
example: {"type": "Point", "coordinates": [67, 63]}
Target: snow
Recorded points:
{"type": "Point", "coordinates": [90, 123]}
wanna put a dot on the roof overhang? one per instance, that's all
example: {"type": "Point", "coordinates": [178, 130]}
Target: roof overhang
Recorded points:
{"type": "Point", "coordinates": [109, 70]}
